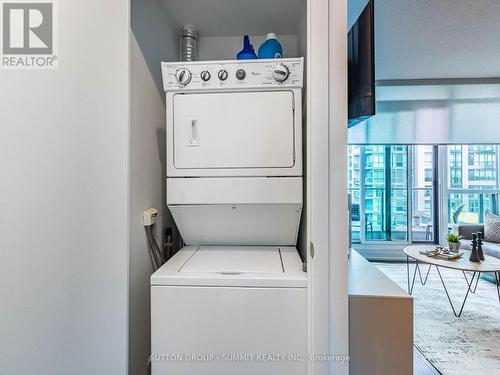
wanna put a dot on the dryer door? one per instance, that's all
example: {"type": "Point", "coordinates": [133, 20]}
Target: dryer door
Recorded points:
{"type": "Point", "coordinates": [228, 130]}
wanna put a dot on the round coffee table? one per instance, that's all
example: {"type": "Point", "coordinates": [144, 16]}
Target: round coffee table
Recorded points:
{"type": "Point", "coordinates": [463, 264]}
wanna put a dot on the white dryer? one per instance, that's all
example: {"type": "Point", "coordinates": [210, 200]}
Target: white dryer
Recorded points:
{"type": "Point", "coordinates": [234, 118]}
{"type": "Point", "coordinates": [236, 294]}
{"type": "Point", "coordinates": [234, 150]}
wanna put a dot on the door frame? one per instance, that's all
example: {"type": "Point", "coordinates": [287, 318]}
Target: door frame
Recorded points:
{"type": "Point", "coordinates": [327, 184]}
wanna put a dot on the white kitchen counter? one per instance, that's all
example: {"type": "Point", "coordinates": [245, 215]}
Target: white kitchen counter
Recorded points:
{"type": "Point", "coordinates": [367, 280]}
{"type": "Point", "coordinates": [380, 322]}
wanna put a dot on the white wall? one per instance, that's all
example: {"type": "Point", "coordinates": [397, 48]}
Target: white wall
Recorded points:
{"type": "Point", "coordinates": [153, 39]}
{"type": "Point", "coordinates": [302, 51]}
{"type": "Point", "coordinates": [227, 47]}
{"type": "Point", "coordinates": [327, 190]}
{"type": "Point", "coordinates": [338, 211]}
{"type": "Point", "coordinates": [146, 125]}
{"type": "Point", "coordinates": [63, 201]}
{"type": "Point", "coordinates": [156, 35]}
{"type": "Point", "coordinates": [230, 17]}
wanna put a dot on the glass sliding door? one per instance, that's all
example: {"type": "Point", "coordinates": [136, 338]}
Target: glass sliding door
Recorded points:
{"type": "Point", "coordinates": [422, 194]}
{"type": "Point", "coordinates": [378, 182]}
{"type": "Point", "coordinates": [392, 193]}
{"type": "Point", "coordinates": [374, 192]}
{"type": "Point", "coordinates": [399, 193]}
{"type": "Point", "coordinates": [354, 189]}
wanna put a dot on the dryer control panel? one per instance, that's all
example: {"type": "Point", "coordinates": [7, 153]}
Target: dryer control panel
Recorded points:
{"type": "Point", "coordinates": [233, 75]}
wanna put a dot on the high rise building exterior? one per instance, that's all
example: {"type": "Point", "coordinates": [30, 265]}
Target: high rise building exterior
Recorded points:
{"type": "Point", "coordinates": [472, 171]}
{"type": "Point", "coordinates": [422, 175]}
{"type": "Point", "coordinates": [378, 175]}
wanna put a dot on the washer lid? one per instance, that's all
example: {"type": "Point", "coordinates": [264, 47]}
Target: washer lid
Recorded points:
{"type": "Point", "coordinates": [234, 260]}
{"type": "Point", "coordinates": [233, 266]}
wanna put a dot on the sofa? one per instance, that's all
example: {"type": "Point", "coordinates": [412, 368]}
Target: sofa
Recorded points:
{"type": "Point", "coordinates": [466, 230]}
{"type": "Point", "coordinates": [489, 248]}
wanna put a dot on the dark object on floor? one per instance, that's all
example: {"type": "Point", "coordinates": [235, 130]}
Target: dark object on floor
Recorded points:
{"type": "Point", "coordinates": [474, 256]}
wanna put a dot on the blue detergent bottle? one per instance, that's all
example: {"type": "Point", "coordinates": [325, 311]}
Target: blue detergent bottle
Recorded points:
{"type": "Point", "coordinates": [271, 48]}
{"type": "Point", "coordinates": [247, 52]}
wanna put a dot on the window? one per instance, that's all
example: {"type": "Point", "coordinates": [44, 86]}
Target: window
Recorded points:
{"type": "Point", "coordinates": [482, 174]}
{"type": "Point", "coordinates": [394, 190]}
{"type": "Point", "coordinates": [422, 173]}
{"type": "Point", "coordinates": [472, 182]}
{"type": "Point", "coordinates": [428, 175]}
{"type": "Point", "coordinates": [399, 160]}
{"type": "Point", "coordinates": [354, 184]}
{"type": "Point", "coordinates": [390, 207]}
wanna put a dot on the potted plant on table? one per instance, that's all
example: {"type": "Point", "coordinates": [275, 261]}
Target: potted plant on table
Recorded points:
{"type": "Point", "coordinates": [453, 241]}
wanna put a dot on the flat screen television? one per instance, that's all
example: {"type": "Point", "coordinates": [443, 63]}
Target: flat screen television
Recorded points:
{"type": "Point", "coordinates": [361, 67]}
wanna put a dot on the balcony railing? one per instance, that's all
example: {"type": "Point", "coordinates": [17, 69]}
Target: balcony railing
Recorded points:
{"type": "Point", "coordinates": [470, 205]}
{"type": "Point", "coordinates": [379, 224]}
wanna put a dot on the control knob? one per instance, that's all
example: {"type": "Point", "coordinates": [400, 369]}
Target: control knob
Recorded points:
{"type": "Point", "coordinates": [280, 72]}
{"type": "Point", "coordinates": [183, 76]}
{"type": "Point", "coordinates": [241, 74]}
{"type": "Point", "coordinates": [222, 74]}
{"type": "Point", "coordinates": [205, 75]}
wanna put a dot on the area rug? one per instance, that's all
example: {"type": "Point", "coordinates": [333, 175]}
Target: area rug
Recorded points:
{"type": "Point", "coordinates": [469, 345]}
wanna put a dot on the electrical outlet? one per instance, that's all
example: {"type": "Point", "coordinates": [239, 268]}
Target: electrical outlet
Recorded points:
{"type": "Point", "coordinates": [149, 216]}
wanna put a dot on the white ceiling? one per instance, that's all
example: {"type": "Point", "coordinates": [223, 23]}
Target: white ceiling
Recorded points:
{"type": "Point", "coordinates": [237, 17]}
{"type": "Point", "coordinates": [418, 39]}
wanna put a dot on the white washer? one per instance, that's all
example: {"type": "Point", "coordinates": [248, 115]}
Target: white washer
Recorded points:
{"type": "Point", "coordinates": [242, 310]}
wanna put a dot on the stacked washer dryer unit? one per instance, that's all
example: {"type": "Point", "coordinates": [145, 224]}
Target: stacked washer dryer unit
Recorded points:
{"type": "Point", "coordinates": [236, 293]}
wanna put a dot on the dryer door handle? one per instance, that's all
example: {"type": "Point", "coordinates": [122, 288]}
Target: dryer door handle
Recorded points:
{"type": "Point", "coordinates": [192, 132]}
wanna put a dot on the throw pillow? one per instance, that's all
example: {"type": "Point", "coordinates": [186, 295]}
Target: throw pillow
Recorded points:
{"type": "Point", "coordinates": [491, 227]}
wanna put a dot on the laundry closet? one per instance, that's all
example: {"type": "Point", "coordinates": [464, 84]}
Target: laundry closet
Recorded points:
{"type": "Point", "coordinates": [248, 185]}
